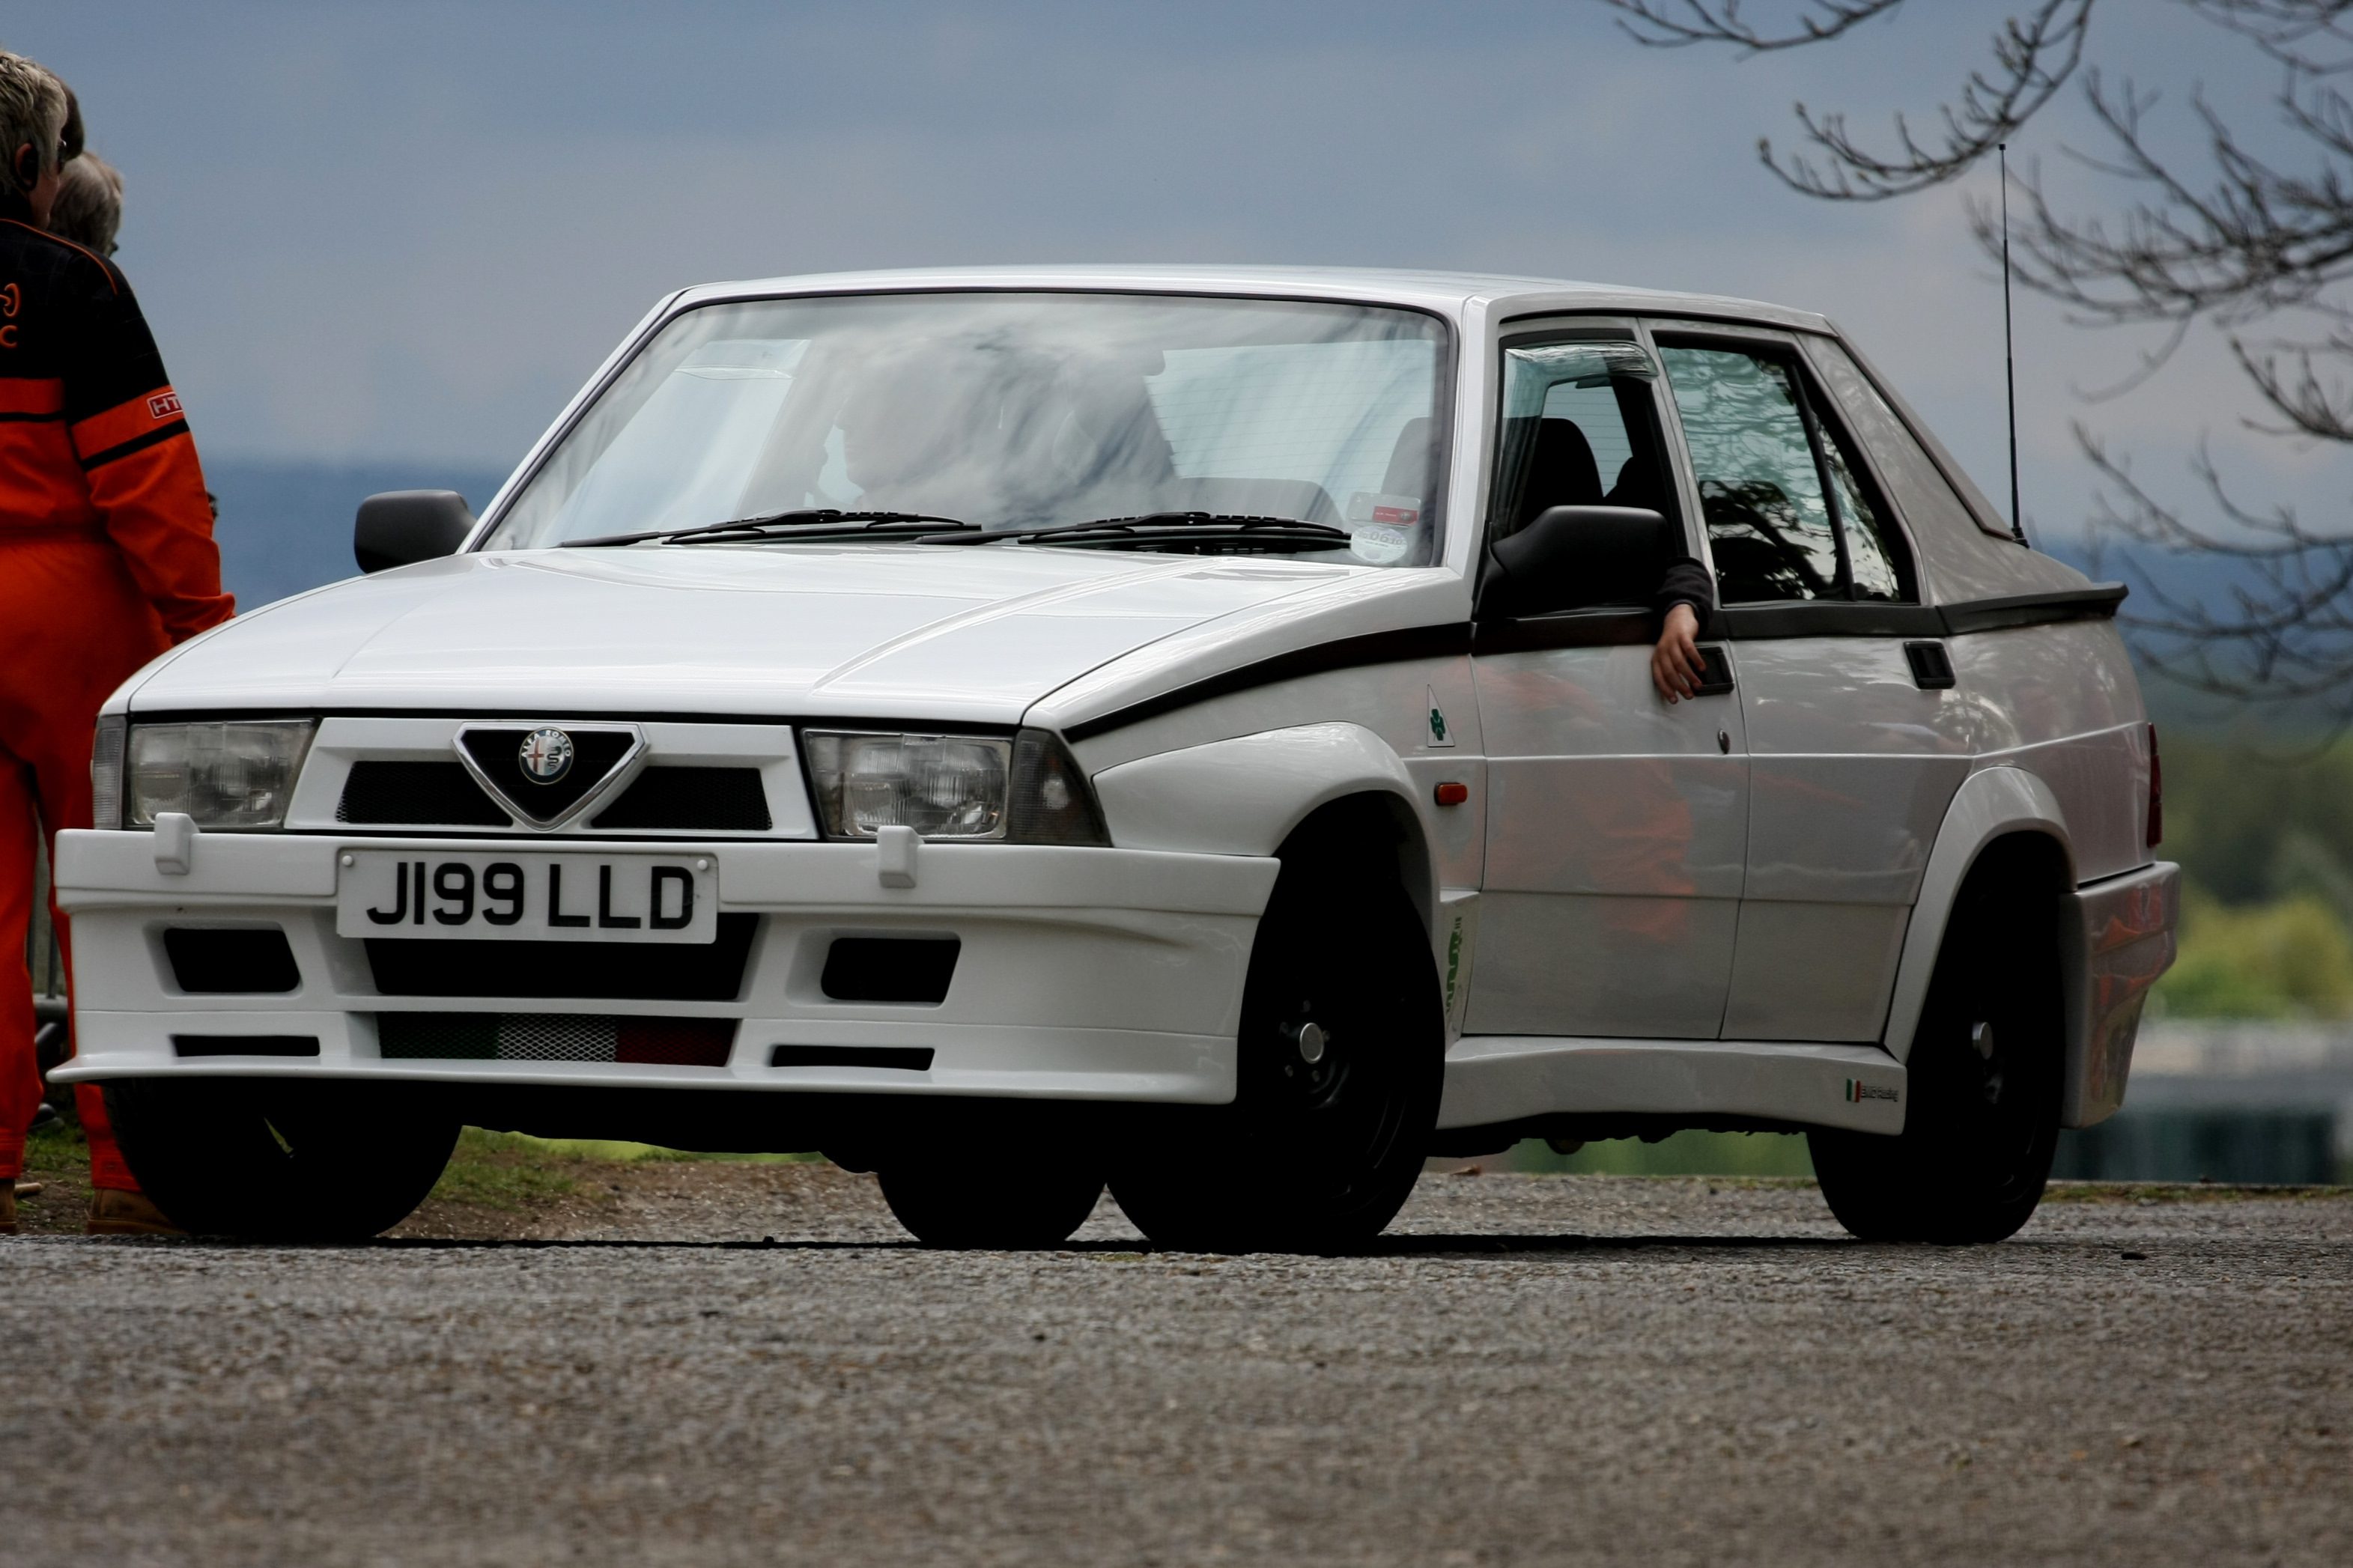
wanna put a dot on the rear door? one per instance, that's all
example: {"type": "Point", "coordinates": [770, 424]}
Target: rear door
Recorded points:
{"type": "Point", "coordinates": [1616, 822]}
{"type": "Point", "coordinates": [1844, 687]}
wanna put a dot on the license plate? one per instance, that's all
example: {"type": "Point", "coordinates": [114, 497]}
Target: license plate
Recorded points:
{"type": "Point", "coordinates": [527, 898]}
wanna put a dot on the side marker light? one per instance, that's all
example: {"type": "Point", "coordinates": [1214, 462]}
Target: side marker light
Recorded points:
{"type": "Point", "coordinates": [1452, 794]}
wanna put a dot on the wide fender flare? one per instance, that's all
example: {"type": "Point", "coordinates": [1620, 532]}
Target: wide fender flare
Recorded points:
{"type": "Point", "coordinates": [1245, 795]}
{"type": "Point", "coordinates": [1991, 804]}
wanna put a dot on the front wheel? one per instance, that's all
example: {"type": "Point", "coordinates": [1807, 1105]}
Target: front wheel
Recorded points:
{"type": "Point", "coordinates": [1984, 1086]}
{"type": "Point", "coordinates": [1341, 1061]}
{"type": "Point", "coordinates": [267, 1160]}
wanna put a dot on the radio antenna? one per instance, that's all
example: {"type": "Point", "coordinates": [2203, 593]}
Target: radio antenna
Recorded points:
{"type": "Point", "coordinates": [2009, 349]}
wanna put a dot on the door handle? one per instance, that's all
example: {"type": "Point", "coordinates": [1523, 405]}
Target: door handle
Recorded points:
{"type": "Point", "coordinates": [1716, 678]}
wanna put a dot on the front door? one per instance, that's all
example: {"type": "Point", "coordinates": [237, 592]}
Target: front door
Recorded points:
{"type": "Point", "coordinates": [1617, 824]}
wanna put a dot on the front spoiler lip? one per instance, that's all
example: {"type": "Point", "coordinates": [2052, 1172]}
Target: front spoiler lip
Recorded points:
{"type": "Point", "coordinates": [1128, 1066]}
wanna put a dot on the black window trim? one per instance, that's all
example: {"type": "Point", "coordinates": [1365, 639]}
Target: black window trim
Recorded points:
{"type": "Point", "coordinates": [1819, 412]}
{"type": "Point", "coordinates": [1611, 621]}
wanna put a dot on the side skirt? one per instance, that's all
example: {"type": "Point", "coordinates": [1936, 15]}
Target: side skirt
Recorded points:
{"type": "Point", "coordinates": [1497, 1078]}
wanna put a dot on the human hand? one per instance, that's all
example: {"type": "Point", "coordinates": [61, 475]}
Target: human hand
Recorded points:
{"type": "Point", "coordinates": [1676, 668]}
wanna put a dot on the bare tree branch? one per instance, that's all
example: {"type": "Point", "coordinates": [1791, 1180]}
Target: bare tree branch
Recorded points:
{"type": "Point", "coordinates": [1660, 24]}
{"type": "Point", "coordinates": [2309, 36]}
{"type": "Point", "coordinates": [2229, 237]}
{"type": "Point", "coordinates": [2322, 410]}
{"type": "Point", "coordinates": [2033, 59]}
{"type": "Point", "coordinates": [2254, 241]}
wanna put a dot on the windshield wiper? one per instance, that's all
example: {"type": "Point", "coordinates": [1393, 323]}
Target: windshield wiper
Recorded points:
{"type": "Point", "coordinates": [1192, 531]}
{"type": "Point", "coordinates": [803, 523]}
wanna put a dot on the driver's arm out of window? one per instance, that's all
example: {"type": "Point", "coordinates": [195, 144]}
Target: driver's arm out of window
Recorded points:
{"type": "Point", "coordinates": [1685, 600]}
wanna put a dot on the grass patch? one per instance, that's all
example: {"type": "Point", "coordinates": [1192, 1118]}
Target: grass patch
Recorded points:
{"type": "Point", "coordinates": [2182, 1193]}
{"type": "Point", "coordinates": [1690, 1152]}
{"type": "Point", "coordinates": [54, 1151]}
{"type": "Point", "coordinates": [513, 1171]}
{"type": "Point", "coordinates": [504, 1171]}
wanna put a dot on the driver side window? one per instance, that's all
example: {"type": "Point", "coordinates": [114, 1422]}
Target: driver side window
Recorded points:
{"type": "Point", "coordinates": [1787, 514]}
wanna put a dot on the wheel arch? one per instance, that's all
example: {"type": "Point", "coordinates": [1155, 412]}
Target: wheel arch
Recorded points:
{"type": "Point", "coordinates": [1257, 794]}
{"type": "Point", "coordinates": [2003, 821]}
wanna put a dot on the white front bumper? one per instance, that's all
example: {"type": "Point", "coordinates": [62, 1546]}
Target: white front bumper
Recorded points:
{"type": "Point", "coordinates": [1083, 973]}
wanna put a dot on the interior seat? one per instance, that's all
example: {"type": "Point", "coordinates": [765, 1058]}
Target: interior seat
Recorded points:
{"type": "Point", "coordinates": [1638, 485]}
{"type": "Point", "coordinates": [1559, 470]}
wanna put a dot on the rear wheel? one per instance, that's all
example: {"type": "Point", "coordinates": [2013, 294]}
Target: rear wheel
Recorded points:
{"type": "Point", "coordinates": [1341, 1061]}
{"type": "Point", "coordinates": [267, 1160]}
{"type": "Point", "coordinates": [974, 1203]}
{"type": "Point", "coordinates": [1984, 1084]}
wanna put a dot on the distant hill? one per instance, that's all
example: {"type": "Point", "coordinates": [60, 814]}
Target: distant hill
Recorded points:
{"type": "Point", "coordinates": [285, 527]}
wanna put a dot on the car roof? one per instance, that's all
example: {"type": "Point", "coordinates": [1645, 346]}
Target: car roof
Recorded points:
{"type": "Point", "coordinates": [1451, 293]}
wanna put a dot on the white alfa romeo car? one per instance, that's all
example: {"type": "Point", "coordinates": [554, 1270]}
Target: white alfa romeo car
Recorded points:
{"type": "Point", "coordinates": [1017, 730]}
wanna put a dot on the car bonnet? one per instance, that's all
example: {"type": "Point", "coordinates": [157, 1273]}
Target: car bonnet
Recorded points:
{"type": "Point", "coordinates": [974, 635]}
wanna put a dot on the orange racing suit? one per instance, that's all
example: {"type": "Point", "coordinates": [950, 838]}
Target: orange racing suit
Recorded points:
{"type": "Point", "coordinates": [106, 560]}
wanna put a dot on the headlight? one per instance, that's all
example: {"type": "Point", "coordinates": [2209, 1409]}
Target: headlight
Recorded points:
{"type": "Point", "coordinates": [224, 775]}
{"type": "Point", "coordinates": [942, 786]}
{"type": "Point", "coordinates": [968, 788]}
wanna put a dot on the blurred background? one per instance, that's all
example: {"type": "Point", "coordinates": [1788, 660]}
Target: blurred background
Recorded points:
{"type": "Point", "coordinates": [380, 246]}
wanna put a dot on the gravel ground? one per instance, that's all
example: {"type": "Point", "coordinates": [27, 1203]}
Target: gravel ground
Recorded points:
{"type": "Point", "coordinates": [1530, 1370]}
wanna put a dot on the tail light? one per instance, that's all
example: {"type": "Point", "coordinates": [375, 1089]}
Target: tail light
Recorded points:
{"type": "Point", "coordinates": [2156, 792]}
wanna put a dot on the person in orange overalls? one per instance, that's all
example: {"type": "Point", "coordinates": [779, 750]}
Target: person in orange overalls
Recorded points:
{"type": "Point", "coordinates": [106, 560]}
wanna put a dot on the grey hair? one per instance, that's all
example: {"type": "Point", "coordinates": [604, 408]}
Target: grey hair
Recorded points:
{"type": "Point", "coordinates": [88, 208]}
{"type": "Point", "coordinates": [33, 106]}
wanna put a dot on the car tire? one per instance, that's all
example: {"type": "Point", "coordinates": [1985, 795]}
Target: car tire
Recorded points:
{"type": "Point", "coordinates": [999, 1205]}
{"type": "Point", "coordinates": [1983, 1085]}
{"type": "Point", "coordinates": [1340, 1064]}
{"type": "Point", "coordinates": [266, 1160]}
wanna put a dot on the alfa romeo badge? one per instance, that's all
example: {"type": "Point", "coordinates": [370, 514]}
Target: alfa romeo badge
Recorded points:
{"type": "Point", "coordinates": [546, 755]}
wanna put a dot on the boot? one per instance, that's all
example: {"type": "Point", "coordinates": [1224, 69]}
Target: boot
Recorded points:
{"type": "Point", "coordinates": [7, 1208]}
{"type": "Point", "coordinates": [113, 1212]}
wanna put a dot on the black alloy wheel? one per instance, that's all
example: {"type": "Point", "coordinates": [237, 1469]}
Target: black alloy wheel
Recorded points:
{"type": "Point", "coordinates": [1340, 1067]}
{"type": "Point", "coordinates": [1984, 1082]}
{"type": "Point", "coordinates": [274, 1159]}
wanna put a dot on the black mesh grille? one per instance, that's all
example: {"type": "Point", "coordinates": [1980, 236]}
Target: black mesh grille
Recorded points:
{"type": "Point", "coordinates": [554, 1037]}
{"type": "Point", "coordinates": [444, 794]}
{"type": "Point", "coordinates": [709, 800]}
{"type": "Point", "coordinates": [417, 795]}
{"type": "Point", "coordinates": [604, 971]}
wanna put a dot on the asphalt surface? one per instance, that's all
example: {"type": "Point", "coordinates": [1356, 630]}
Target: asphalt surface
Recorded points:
{"type": "Point", "coordinates": [1532, 1370]}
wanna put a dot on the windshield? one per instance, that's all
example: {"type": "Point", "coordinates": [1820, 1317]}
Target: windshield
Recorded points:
{"type": "Point", "coordinates": [1012, 412]}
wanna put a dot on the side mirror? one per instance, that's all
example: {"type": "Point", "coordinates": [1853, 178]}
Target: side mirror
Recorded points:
{"type": "Point", "coordinates": [399, 527]}
{"type": "Point", "coordinates": [1581, 558]}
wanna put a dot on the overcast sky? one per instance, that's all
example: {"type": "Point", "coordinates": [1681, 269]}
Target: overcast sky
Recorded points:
{"type": "Point", "coordinates": [408, 231]}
